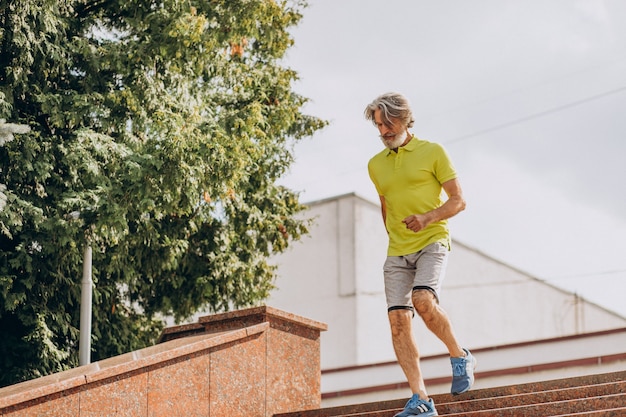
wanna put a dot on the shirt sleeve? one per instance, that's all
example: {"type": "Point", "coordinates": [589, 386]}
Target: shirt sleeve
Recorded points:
{"type": "Point", "coordinates": [444, 169]}
{"type": "Point", "coordinates": [371, 174]}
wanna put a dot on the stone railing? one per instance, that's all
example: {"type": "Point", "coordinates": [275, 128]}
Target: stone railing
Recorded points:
{"type": "Point", "coordinates": [254, 362]}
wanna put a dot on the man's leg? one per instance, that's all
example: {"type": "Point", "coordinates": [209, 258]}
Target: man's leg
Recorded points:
{"type": "Point", "coordinates": [437, 321]}
{"type": "Point", "coordinates": [406, 350]}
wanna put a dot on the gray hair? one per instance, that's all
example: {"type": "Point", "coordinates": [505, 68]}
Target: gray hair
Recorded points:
{"type": "Point", "coordinates": [391, 105]}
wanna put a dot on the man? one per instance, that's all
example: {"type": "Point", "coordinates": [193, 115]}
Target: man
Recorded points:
{"type": "Point", "coordinates": [409, 176]}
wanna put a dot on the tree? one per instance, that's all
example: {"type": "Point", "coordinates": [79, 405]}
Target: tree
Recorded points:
{"type": "Point", "coordinates": [162, 126]}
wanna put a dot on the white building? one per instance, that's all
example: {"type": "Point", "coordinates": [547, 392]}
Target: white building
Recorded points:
{"type": "Point", "coordinates": [334, 275]}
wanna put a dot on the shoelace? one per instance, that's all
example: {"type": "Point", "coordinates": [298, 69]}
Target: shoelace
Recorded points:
{"type": "Point", "coordinates": [458, 368]}
{"type": "Point", "coordinates": [418, 404]}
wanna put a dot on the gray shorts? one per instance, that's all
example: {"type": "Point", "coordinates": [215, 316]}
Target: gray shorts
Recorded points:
{"type": "Point", "coordinates": [423, 270]}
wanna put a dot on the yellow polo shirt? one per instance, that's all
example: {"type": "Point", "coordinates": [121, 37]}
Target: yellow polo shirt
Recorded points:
{"type": "Point", "coordinates": [410, 181]}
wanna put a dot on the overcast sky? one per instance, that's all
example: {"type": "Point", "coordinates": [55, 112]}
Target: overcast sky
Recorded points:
{"type": "Point", "coordinates": [529, 98]}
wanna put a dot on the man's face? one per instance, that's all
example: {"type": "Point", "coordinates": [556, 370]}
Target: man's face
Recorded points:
{"type": "Point", "coordinates": [394, 134]}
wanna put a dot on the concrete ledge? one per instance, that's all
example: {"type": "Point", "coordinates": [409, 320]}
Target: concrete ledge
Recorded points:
{"type": "Point", "coordinates": [259, 361]}
{"type": "Point", "coordinates": [243, 318]}
{"type": "Point", "coordinates": [119, 365]}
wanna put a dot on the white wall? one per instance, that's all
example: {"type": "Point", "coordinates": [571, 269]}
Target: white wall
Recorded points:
{"type": "Point", "coordinates": [491, 304]}
{"type": "Point", "coordinates": [314, 282]}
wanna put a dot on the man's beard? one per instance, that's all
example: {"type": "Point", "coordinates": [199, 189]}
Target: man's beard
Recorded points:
{"type": "Point", "coordinates": [393, 142]}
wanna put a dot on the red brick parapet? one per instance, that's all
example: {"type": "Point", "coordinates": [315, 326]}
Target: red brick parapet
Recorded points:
{"type": "Point", "coordinates": [254, 362]}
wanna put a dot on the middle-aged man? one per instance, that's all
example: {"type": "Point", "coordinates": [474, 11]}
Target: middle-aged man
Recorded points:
{"type": "Point", "coordinates": [409, 176]}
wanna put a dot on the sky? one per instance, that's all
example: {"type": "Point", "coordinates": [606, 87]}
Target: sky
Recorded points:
{"type": "Point", "coordinates": [529, 99]}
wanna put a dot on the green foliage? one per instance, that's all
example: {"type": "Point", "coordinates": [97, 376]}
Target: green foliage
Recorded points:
{"type": "Point", "coordinates": [166, 125]}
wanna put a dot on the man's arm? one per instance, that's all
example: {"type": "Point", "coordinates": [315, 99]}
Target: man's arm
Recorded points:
{"type": "Point", "coordinates": [453, 205]}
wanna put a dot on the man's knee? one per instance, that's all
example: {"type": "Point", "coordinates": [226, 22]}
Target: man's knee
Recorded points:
{"type": "Point", "coordinates": [400, 321]}
{"type": "Point", "coordinates": [424, 302]}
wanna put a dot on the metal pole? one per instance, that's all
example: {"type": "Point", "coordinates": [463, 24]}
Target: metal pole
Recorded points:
{"type": "Point", "coordinates": [84, 346]}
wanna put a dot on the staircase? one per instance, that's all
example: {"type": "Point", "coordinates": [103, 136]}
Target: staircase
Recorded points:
{"type": "Point", "coordinates": [602, 395]}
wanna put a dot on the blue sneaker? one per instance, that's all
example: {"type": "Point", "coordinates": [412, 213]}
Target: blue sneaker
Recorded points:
{"type": "Point", "coordinates": [462, 373]}
{"type": "Point", "coordinates": [418, 407]}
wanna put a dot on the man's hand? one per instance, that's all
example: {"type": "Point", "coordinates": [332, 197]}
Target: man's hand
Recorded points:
{"type": "Point", "coordinates": [416, 222]}
{"type": "Point", "coordinates": [454, 204]}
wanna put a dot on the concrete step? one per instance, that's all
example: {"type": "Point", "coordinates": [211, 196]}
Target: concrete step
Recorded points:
{"type": "Point", "coordinates": [547, 409]}
{"type": "Point", "coordinates": [614, 412]}
{"type": "Point", "coordinates": [601, 395]}
{"type": "Point", "coordinates": [567, 398]}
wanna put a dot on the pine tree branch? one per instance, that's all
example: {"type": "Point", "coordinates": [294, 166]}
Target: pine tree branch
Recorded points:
{"type": "Point", "coordinates": [89, 8]}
